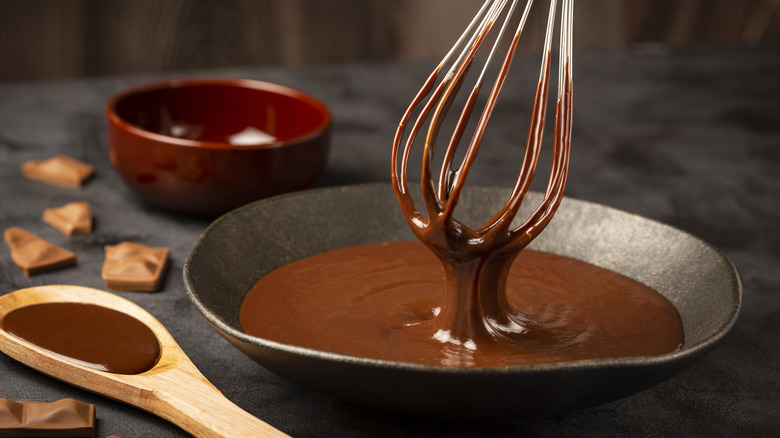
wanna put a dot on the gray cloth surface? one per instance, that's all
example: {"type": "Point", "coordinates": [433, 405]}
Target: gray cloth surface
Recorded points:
{"type": "Point", "coordinates": [689, 138]}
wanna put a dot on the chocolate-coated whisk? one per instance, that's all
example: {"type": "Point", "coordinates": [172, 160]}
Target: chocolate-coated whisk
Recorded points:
{"type": "Point", "coordinates": [493, 246]}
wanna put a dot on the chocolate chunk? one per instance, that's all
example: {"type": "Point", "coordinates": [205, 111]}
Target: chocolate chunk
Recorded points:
{"type": "Point", "coordinates": [62, 418]}
{"type": "Point", "coordinates": [34, 255]}
{"type": "Point", "coordinates": [58, 170]}
{"type": "Point", "coordinates": [73, 218]}
{"type": "Point", "coordinates": [134, 267]}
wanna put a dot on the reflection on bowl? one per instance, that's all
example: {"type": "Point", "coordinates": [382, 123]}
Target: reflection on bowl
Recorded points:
{"type": "Point", "coordinates": [205, 146]}
{"type": "Point", "coordinates": [242, 246]}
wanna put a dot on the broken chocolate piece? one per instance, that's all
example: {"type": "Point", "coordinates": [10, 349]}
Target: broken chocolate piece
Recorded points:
{"type": "Point", "coordinates": [62, 418]}
{"type": "Point", "coordinates": [58, 170]}
{"type": "Point", "coordinates": [34, 255]}
{"type": "Point", "coordinates": [70, 219]}
{"type": "Point", "coordinates": [135, 267]}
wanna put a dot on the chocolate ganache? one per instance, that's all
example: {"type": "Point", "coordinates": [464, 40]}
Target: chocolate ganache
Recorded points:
{"type": "Point", "coordinates": [487, 301]}
{"type": "Point", "coordinates": [382, 301]}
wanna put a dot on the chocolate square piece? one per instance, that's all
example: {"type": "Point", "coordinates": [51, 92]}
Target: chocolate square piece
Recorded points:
{"type": "Point", "coordinates": [62, 418]}
{"type": "Point", "coordinates": [34, 255]}
{"type": "Point", "coordinates": [73, 218]}
{"type": "Point", "coordinates": [58, 170]}
{"type": "Point", "coordinates": [134, 267]}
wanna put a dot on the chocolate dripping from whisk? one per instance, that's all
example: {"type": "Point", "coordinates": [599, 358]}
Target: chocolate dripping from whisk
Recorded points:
{"type": "Point", "coordinates": [476, 306]}
{"type": "Point", "coordinates": [476, 262]}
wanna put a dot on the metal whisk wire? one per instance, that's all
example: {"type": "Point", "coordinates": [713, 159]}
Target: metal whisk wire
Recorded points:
{"type": "Point", "coordinates": [440, 201]}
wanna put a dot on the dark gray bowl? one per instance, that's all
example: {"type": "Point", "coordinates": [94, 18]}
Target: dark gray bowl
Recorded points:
{"type": "Point", "coordinates": [242, 246]}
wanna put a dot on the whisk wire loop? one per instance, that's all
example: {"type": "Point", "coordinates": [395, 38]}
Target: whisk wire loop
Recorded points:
{"type": "Point", "coordinates": [441, 199]}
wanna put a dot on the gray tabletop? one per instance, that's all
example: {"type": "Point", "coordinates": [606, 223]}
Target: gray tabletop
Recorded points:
{"type": "Point", "coordinates": [689, 138]}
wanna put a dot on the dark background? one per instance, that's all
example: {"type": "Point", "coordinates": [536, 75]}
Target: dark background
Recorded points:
{"type": "Point", "coordinates": [50, 39]}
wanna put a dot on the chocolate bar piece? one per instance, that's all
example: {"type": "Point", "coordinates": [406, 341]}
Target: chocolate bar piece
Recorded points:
{"type": "Point", "coordinates": [58, 170]}
{"type": "Point", "coordinates": [34, 255]}
{"type": "Point", "coordinates": [62, 418]}
{"type": "Point", "coordinates": [70, 219]}
{"type": "Point", "coordinates": [134, 267]}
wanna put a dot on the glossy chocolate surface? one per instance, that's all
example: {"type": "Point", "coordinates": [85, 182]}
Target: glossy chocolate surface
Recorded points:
{"type": "Point", "coordinates": [380, 301]}
{"type": "Point", "coordinates": [93, 336]}
{"type": "Point", "coordinates": [474, 322]}
{"type": "Point", "coordinates": [218, 276]}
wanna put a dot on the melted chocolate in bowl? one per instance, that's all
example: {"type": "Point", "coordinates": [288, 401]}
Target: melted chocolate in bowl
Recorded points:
{"type": "Point", "coordinates": [93, 336]}
{"type": "Point", "coordinates": [245, 245]}
{"type": "Point", "coordinates": [381, 301]}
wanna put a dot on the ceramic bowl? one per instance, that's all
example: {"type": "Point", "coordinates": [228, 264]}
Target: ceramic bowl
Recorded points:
{"type": "Point", "coordinates": [205, 146]}
{"type": "Point", "coordinates": [242, 246]}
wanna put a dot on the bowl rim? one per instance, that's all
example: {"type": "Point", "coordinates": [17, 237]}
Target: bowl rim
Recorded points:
{"type": "Point", "coordinates": [681, 354]}
{"type": "Point", "coordinates": [123, 125]}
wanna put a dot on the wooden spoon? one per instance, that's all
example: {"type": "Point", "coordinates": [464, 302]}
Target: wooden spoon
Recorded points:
{"type": "Point", "coordinates": [173, 389]}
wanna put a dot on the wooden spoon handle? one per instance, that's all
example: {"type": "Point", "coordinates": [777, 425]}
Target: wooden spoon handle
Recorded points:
{"type": "Point", "coordinates": [200, 409]}
{"type": "Point", "coordinates": [173, 389]}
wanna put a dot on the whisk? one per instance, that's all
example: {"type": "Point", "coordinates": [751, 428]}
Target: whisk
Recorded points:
{"type": "Point", "coordinates": [476, 260]}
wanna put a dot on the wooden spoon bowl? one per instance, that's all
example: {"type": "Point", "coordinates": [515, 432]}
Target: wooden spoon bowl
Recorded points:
{"type": "Point", "coordinates": [173, 389]}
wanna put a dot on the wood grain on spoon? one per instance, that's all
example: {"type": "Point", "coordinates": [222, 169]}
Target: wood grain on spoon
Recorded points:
{"type": "Point", "coordinates": [173, 389]}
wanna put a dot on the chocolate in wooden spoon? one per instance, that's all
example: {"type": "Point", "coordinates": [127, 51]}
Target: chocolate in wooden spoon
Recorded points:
{"type": "Point", "coordinates": [168, 385]}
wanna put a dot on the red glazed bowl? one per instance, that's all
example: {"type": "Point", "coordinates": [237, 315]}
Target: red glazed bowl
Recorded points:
{"type": "Point", "coordinates": [202, 147]}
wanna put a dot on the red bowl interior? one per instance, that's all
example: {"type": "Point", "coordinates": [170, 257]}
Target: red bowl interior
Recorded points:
{"type": "Point", "coordinates": [210, 111]}
{"type": "Point", "coordinates": [205, 146]}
